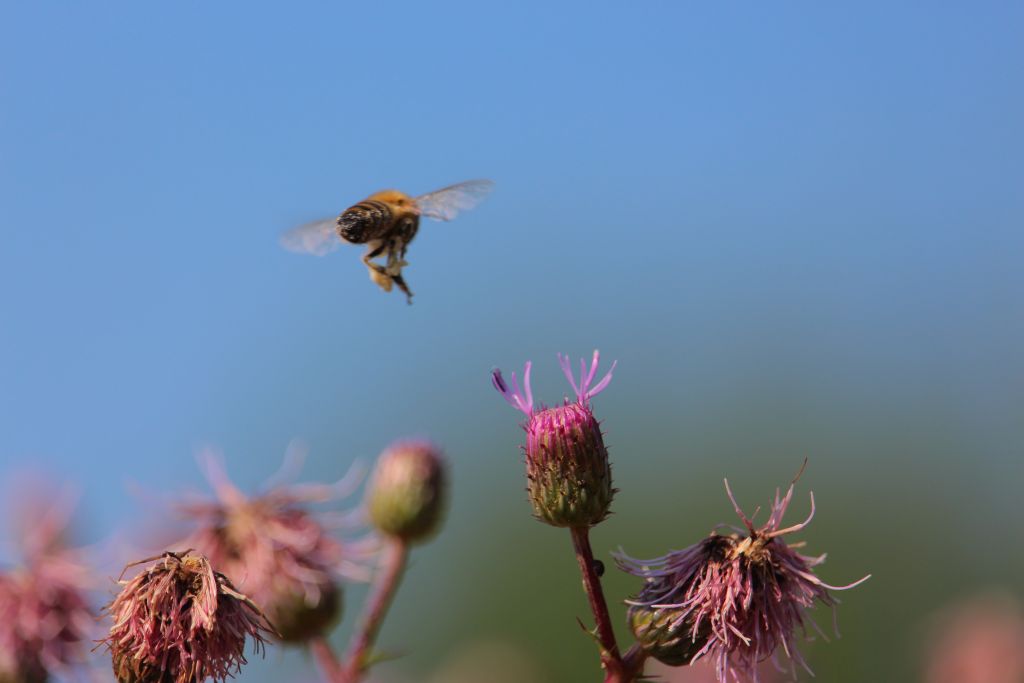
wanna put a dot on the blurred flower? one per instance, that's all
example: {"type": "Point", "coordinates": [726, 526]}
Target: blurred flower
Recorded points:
{"type": "Point", "coordinates": [733, 598]}
{"type": "Point", "coordinates": [569, 478]}
{"type": "Point", "coordinates": [704, 672]}
{"type": "Point", "coordinates": [980, 640]}
{"type": "Point", "coordinates": [277, 551]}
{"type": "Point", "coordinates": [406, 495]}
{"type": "Point", "coordinates": [45, 620]}
{"type": "Point", "coordinates": [179, 621]}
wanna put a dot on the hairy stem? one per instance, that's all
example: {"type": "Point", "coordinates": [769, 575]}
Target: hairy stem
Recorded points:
{"type": "Point", "coordinates": [395, 555]}
{"type": "Point", "coordinates": [615, 668]}
{"type": "Point", "coordinates": [326, 659]}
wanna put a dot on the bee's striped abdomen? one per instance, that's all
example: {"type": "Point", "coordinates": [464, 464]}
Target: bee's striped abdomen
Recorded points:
{"type": "Point", "coordinates": [365, 221]}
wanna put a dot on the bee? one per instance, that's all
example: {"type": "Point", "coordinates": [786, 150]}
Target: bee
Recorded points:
{"type": "Point", "coordinates": [386, 222]}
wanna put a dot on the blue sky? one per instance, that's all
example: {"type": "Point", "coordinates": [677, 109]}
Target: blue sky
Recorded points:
{"type": "Point", "coordinates": [814, 201]}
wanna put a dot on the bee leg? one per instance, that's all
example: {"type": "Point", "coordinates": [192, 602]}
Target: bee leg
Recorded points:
{"type": "Point", "coordinates": [373, 253]}
{"type": "Point", "coordinates": [382, 281]}
{"type": "Point", "coordinates": [400, 281]}
{"type": "Point", "coordinates": [378, 273]}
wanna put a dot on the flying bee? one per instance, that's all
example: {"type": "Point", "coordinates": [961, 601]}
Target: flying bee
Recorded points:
{"type": "Point", "coordinates": [386, 222]}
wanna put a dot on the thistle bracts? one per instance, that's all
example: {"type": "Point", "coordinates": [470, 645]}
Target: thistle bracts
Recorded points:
{"type": "Point", "coordinates": [664, 631]}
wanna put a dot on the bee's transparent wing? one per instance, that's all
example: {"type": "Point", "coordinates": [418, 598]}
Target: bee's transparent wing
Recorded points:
{"type": "Point", "coordinates": [446, 203]}
{"type": "Point", "coordinates": [317, 238]}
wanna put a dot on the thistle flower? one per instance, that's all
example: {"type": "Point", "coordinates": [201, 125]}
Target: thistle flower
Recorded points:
{"type": "Point", "coordinates": [406, 495]}
{"type": "Point", "coordinates": [45, 619]}
{"type": "Point", "coordinates": [734, 598]}
{"type": "Point", "coordinates": [179, 621]}
{"type": "Point", "coordinates": [569, 478]}
{"type": "Point", "coordinates": [278, 552]}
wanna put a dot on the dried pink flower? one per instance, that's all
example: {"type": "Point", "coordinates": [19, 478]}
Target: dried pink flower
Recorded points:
{"type": "Point", "coordinates": [569, 477]}
{"type": "Point", "coordinates": [45, 618]}
{"type": "Point", "coordinates": [179, 621]}
{"type": "Point", "coordinates": [278, 552]}
{"type": "Point", "coordinates": [735, 599]}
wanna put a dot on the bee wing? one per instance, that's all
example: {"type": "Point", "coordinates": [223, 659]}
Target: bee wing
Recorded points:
{"type": "Point", "coordinates": [317, 237]}
{"type": "Point", "coordinates": [446, 203]}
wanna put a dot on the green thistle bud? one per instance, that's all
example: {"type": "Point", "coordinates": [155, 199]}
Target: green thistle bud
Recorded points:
{"type": "Point", "coordinates": [665, 633]}
{"type": "Point", "coordinates": [299, 619]}
{"type": "Point", "coordinates": [569, 477]}
{"type": "Point", "coordinates": [407, 494]}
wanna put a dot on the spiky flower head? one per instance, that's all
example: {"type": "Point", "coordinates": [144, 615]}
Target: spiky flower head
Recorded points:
{"type": "Point", "coordinates": [569, 478]}
{"type": "Point", "coordinates": [179, 621]}
{"type": "Point", "coordinates": [277, 551]}
{"type": "Point", "coordinates": [45, 618]}
{"type": "Point", "coordinates": [407, 493]}
{"type": "Point", "coordinates": [735, 598]}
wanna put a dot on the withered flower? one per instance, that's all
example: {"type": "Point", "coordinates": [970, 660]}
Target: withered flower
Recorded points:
{"type": "Point", "coordinates": [734, 598]}
{"type": "Point", "coordinates": [179, 621]}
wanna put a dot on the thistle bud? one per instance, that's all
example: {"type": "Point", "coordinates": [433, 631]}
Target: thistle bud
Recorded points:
{"type": "Point", "coordinates": [407, 493]}
{"type": "Point", "coordinates": [299, 618]}
{"type": "Point", "coordinates": [569, 477]}
{"type": "Point", "coordinates": [179, 621]}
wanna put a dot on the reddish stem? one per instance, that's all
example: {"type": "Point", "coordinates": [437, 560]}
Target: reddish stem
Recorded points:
{"type": "Point", "coordinates": [616, 670]}
{"type": "Point", "coordinates": [326, 659]}
{"type": "Point", "coordinates": [384, 588]}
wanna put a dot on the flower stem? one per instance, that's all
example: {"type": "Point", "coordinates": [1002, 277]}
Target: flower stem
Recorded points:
{"type": "Point", "coordinates": [615, 668]}
{"type": "Point", "coordinates": [326, 659]}
{"type": "Point", "coordinates": [395, 555]}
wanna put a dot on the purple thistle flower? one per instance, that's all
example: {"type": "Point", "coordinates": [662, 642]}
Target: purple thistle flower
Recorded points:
{"type": "Point", "coordinates": [736, 599]}
{"type": "Point", "coordinates": [179, 621]}
{"type": "Point", "coordinates": [569, 478]}
{"type": "Point", "coordinates": [45, 619]}
{"type": "Point", "coordinates": [278, 552]}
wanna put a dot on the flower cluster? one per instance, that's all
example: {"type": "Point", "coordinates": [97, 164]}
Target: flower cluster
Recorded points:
{"type": "Point", "coordinates": [179, 621]}
{"type": "Point", "coordinates": [735, 598]}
